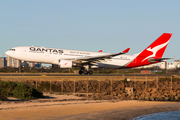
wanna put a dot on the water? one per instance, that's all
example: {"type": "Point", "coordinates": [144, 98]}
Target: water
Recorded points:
{"type": "Point", "coordinates": [173, 115]}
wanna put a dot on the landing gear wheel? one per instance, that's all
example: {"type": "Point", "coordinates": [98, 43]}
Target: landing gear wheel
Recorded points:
{"type": "Point", "coordinates": [80, 72]}
{"type": "Point", "coordinates": [90, 72]}
{"type": "Point", "coordinates": [86, 72]}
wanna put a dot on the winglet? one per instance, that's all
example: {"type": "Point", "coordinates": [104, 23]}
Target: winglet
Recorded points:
{"type": "Point", "coordinates": [100, 50]}
{"type": "Point", "coordinates": [126, 50]}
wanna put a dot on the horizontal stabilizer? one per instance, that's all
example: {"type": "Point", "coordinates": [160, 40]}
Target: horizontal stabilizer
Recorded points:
{"type": "Point", "coordinates": [152, 60]}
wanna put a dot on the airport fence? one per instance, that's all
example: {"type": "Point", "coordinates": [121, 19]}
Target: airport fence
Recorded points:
{"type": "Point", "coordinates": [96, 84]}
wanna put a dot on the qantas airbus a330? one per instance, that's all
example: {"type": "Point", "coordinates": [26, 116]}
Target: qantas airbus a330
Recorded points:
{"type": "Point", "coordinates": [66, 58]}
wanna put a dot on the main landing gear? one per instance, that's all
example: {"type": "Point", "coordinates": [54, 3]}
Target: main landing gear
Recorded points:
{"type": "Point", "coordinates": [85, 70]}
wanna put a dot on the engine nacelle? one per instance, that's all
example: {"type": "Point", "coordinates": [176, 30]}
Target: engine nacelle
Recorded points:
{"type": "Point", "coordinates": [94, 66]}
{"type": "Point", "coordinates": [65, 63]}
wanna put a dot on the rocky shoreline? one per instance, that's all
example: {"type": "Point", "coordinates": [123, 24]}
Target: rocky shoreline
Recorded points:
{"type": "Point", "coordinates": [161, 90]}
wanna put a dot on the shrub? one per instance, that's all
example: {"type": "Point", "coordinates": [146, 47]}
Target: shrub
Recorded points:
{"type": "Point", "coordinates": [3, 94]}
{"type": "Point", "coordinates": [18, 90]}
{"type": "Point", "coordinates": [9, 86]}
{"type": "Point", "coordinates": [125, 80]}
{"type": "Point", "coordinates": [24, 92]}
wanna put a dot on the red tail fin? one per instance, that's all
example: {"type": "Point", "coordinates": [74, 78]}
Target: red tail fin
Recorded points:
{"type": "Point", "coordinates": [155, 50]}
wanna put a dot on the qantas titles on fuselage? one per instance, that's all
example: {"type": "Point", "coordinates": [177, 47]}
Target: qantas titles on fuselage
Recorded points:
{"type": "Point", "coordinates": [37, 49]}
{"type": "Point", "coordinates": [54, 51]}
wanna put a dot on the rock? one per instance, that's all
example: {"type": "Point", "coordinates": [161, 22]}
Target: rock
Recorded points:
{"type": "Point", "coordinates": [136, 97]}
{"type": "Point", "coordinates": [124, 94]}
{"type": "Point", "coordinates": [147, 93]}
{"type": "Point", "coordinates": [172, 98]}
{"type": "Point", "coordinates": [160, 98]}
{"type": "Point", "coordinates": [141, 98]}
{"type": "Point", "coordinates": [166, 94]}
{"type": "Point", "coordinates": [82, 90]}
{"type": "Point", "coordinates": [119, 95]}
{"type": "Point", "coordinates": [115, 97]}
{"type": "Point", "coordinates": [176, 98]}
{"type": "Point", "coordinates": [173, 93]}
{"type": "Point", "coordinates": [96, 96]}
{"type": "Point", "coordinates": [146, 98]}
{"type": "Point", "coordinates": [129, 90]}
{"type": "Point", "coordinates": [114, 93]}
{"type": "Point", "coordinates": [154, 89]}
{"type": "Point", "coordinates": [132, 97]}
{"type": "Point", "coordinates": [149, 89]}
{"type": "Point", "coordinates": [104, 93]}
{"type": "Point", "coordinates": [166, 98]}
{"type": "Point", "coordinates": [107, 97]}
{"type": "Point", "coordinates": [152, 98]}
{"type": "Point", "coordinates": [178, 91]}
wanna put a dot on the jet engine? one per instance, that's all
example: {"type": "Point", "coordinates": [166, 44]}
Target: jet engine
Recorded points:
{"type": "Point", "coordinates": [65, 63]}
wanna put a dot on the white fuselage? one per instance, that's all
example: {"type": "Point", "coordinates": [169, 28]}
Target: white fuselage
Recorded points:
{"type": "Point", "coordinates": [52, 55]}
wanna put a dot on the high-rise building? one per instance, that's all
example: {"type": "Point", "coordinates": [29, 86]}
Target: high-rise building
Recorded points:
{"type": "Point", "coordinates": [36, 65]}
{"type": "Point", "coordinates": [3, 62]}
{"type": "Point", "coordinates": [31, 64]}
{"type": "Point", "coordinates": [11, 62]}
{"type": "Point", "coordinates": [164, 64]}
{"type": "Point", "coordinates": [177, 63]}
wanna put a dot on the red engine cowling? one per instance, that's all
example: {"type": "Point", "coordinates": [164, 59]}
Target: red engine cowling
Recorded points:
{"type": "Point", "coordinates": [65, 63]}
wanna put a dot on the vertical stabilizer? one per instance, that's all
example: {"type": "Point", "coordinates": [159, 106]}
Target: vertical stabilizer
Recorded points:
{"type": "Point", "coordinates": [155, 50]}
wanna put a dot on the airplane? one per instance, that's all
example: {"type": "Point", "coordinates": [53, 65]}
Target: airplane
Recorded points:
{"type": "Point", "coordinates": [86, 60]}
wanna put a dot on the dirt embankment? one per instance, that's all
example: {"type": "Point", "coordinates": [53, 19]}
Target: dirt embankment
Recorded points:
{"type": "Point", "coordinates": [76, 108]}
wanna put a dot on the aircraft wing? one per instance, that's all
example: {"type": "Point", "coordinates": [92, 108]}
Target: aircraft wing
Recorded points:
{"type": "Point", "coordinates": [101, 58]}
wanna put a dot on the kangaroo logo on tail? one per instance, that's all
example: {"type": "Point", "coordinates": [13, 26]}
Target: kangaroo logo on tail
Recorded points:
{"type": "Point", "coordinates": [155, 50]}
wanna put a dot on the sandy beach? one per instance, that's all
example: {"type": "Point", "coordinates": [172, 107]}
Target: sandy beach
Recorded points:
{"type": "Point", "coordinates": [72, 107]}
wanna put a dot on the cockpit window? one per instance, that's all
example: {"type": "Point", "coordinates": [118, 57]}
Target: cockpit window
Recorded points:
{"type": "Point", "coordinates": [13, 49]}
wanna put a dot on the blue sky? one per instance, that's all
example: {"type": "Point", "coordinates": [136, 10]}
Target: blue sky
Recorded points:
{"type": "Point", "coordinates": [91, 25]}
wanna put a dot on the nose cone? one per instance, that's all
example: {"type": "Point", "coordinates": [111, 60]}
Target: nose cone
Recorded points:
{"type": "Point", "coordinates": [8, 53]}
